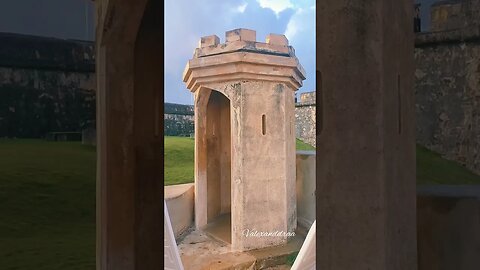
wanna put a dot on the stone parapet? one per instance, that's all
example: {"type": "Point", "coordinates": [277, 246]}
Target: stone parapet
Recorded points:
{"type": "Point", "coordinates": [33, 52]}
{"type": "Point", "coordinates": [241, 57]}
{"type": "Point", "coordinates": [467, 34]}
{"type": "Point", "coordinates": [454, 14]}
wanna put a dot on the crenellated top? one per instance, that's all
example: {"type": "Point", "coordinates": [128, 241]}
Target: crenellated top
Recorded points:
{"type": "Point", "coordinates": [242, 57]}
{"type": "Point", "coordinates": [244, 40]}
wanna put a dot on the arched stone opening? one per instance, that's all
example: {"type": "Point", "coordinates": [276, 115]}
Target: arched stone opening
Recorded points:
{"type": "Point", "coordinates": [218, 165]}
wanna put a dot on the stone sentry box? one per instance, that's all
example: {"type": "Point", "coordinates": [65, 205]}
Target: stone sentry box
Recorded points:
{"type": "Point", "coordinates": [245, 135]}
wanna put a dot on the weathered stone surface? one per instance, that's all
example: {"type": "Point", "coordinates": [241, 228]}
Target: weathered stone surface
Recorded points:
{"type": "Point", "coordinates": [276, 39]}
{"type": "Point", "coordinates": [454, 14]}
{"type": "Point", "coordinates": [130, 145]}
{"type": "Point", "coordinates": [199, 252]}
{"type": "Point", "coordinates": [305, 118]}
{"type": "Point", "coordinates": [46, 85]}
{"type": "Point", "coordinates": [209, 41]}
{"type": "Point", "coordinates": [448, 222]}
{"type": "Point", "coordinates": [306, 189]}
{"type": "Point", "coordinates": [244, 123]}
{"type": "Point", "coordinates": [178, 119]}
{"type": "Point", "coordinates": [467, 34]}
{"type": "Point", "coordinates": [308, 98]}
{"type": "Point", "coordinates": [241, 34]}
{"type": "Point", "coordinates": [447, 83]}
{"type": "Point", "coordinates": [179, 199]}
{"type": "Point", "coordinates": [366, 148]}
{"type": "Point", "coordinates": [447, 91]}
{"type": "Point", "coordinates": [42, 53]}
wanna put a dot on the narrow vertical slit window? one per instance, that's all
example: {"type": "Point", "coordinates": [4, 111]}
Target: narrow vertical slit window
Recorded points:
{"type": "Point", "coordinates": [264, 128]}
{"type": "Point", "coordinates": [399, 102]}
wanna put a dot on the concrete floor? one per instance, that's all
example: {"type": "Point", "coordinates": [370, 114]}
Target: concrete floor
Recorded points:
{"type": "Point", "coordinates": [210, 249]}
{"type": "Point", "coordinates": [220, 228]}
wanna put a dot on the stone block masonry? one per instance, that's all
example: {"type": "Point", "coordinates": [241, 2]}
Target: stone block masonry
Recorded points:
{"type": "Point", "coordinates": [46, 85]}
{"type": "Point", "coordinates": [305, 118]}
{"type": "Point", "coordinates": [178, 120]}
{"type": "Point", "coordinates": [454, 14]}
{"type": "Point", "coordinates": [447, 91]}
{"type": "Point", "coordinates": [447, 96]}
{"type": "Point", "coordinates": [447, 83]}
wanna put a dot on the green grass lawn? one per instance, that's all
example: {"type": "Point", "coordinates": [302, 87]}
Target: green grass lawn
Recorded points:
{"type": "Point", "coordinates": [433, 169]}
{"type": "Point", "coordinates": [47, 205]}
{"type": "Point", "coordinates": [47, 197]}
{"type": "Point", "coordinates": [179, 158]}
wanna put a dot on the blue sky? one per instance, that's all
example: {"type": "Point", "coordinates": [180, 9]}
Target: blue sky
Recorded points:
{"type": "Point", "coordinates": [188, 20]}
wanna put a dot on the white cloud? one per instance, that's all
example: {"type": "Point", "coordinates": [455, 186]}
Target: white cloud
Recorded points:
{"type": "Point", "coordinates": [276, 5]}
{"type": "Point", "coordinates": [300, 32]}
{"type": "Point", "coordinates": [302, 21]}
{"type": "Point", "coordinates": [242, 7]}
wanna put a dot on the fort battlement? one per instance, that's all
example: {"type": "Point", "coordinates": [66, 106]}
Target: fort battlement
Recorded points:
{"type": "Point", "coordinates": [242, 57]}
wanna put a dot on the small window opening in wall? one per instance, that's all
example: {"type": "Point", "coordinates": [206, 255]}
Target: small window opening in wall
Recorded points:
{"type": "Point", "coordinates": [264, 128]}
{"type": "Point", "coordinates": [399, 109]}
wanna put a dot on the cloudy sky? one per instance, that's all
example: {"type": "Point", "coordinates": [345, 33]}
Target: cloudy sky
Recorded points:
{"type": "Point", "coordinates": [187, 20]}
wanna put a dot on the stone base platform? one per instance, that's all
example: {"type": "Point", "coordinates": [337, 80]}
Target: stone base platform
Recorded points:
{"type": "Point", "coordinates": [201, 251]}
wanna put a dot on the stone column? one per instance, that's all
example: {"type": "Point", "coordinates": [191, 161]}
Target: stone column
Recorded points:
{"type": "Point", "coordinates": [259, 80]}
{"type": "Point", "coordinates": [130, 141]}
{"type": "Point", "coordinates": [366, 136]}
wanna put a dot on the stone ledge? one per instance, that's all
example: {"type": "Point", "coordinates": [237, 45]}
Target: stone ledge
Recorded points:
{"type": "Point", "coordinates": [24, 51]}
{"type": "Point", "coordinates": [244, 40]}
{"type": "Point", "coordinates": [237, 66]}
{"type": "Point", "coordinates": [307, 104]}
{"type": "Point", "coordinates": [449, 191]}
{"type": "Point", "coordinates": [468, 34]}
{"type": "Point", "coordinates": [448, 227]}
{"type": "Point", "coordinates": [179, 199]}
{"type": "Point", "coordinates": [178, 109]}
{"type": "Point", "coordinates": [199, 251]}
{"type": "Point", "coordinates": [242, 45]}
{"type": "Point", "coordinates": [306, 152]}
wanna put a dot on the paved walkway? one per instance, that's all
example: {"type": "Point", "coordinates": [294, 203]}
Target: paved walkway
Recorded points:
{"type": "Point", "coordinates": [200, 251]}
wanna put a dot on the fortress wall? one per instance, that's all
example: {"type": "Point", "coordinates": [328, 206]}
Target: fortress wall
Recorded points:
{"type": "Point", "coordinates": [447, 91]}
{"type": "Point", "coordinates": [46, 85]}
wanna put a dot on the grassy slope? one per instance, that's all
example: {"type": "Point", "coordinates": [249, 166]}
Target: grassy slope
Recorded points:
{"type": "Point", "coordinates": [433, 169]}
{"type": "Point", "coordinates": [47, 198]}
{"type": "Point", "coordinates": [47, 205]}
{"type": "Point", "coordinates": [179, 159]}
